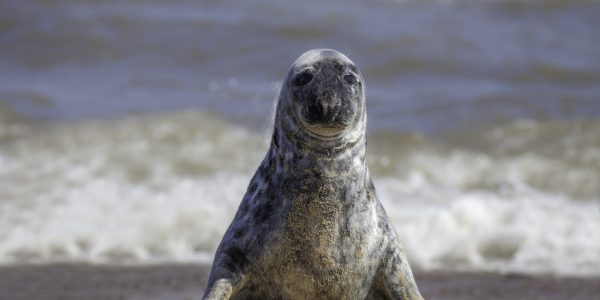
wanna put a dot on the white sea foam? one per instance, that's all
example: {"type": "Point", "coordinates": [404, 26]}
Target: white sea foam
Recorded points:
{"type": "Point", "coordinates": [522, 231]}
{"type": "Point", "coordinates": [164, 188]}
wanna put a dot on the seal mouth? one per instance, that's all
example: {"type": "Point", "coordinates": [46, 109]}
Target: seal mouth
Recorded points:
{"type": "Point", "coordinates": [325, 132]}
{"type": "Point", "coordinates": [321, 131]}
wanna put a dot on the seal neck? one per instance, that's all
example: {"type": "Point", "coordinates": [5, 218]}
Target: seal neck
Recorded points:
{"type": "Point", "coordinates": [329, 159]}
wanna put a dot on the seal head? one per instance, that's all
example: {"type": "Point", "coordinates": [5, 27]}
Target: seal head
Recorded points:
{"type": "Point", "coordinates": [322, 99]}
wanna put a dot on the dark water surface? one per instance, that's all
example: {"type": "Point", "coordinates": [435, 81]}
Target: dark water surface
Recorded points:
{"type": "Point", "coordinates": [428, 65]}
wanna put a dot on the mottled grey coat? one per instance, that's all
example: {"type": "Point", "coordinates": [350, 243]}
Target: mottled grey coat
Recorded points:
{"type": "Point", "coordinates": [310, 225]}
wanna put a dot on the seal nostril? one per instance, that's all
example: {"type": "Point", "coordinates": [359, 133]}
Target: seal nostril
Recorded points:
{"type": "Point", "coordinates": [328, 105]}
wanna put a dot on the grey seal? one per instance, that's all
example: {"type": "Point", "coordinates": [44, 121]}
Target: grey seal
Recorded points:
{"type": "Point", "coordinates": [310, 225]}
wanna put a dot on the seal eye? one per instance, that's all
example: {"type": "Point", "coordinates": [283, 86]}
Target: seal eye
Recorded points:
{"type": "Point", "coordinates": [303, 78]}
{"type": "Point", "coordinates": [351, 79]}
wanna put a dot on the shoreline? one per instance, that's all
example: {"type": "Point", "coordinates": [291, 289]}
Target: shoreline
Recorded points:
{"type": "Point", "coordinates": [187, 281]}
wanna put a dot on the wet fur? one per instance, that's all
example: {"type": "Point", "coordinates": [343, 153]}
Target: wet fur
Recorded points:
{"type": "Point", "coordinates": [310, 225]}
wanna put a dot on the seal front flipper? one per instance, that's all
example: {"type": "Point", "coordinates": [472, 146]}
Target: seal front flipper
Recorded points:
{"type": "Point", "coordinates": [227, 275]}
{"type": "Point", "coordinates": [394, 279]}
{"type": "Point", "coordinates": [223, 284]}
{"type": "Point", "coordinates": [220, 289]}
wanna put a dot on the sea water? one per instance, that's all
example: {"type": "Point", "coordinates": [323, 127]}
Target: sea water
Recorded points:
{"type": "Point", "coordinates": [129, 130]}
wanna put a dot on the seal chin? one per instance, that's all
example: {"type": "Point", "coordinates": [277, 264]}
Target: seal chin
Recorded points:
{"type": "Point", "coordinates": [328, 133]}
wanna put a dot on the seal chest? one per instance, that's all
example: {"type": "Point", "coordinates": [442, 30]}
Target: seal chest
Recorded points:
{"type": "Point", "coordinates": [310, 225]}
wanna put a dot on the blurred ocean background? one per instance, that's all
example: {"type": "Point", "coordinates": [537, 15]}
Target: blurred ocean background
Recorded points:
{"type": "Point", "coordinates": [130, 129]}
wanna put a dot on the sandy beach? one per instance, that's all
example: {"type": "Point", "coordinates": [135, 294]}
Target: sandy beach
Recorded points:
{"type": "Point", "coordinates": [182, 282]}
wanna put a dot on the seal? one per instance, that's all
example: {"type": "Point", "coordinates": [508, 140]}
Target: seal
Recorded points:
{"type": "Point", "coordinates": [310, 225]}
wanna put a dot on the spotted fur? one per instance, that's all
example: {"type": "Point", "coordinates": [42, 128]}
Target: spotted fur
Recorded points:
{"type": "Point", "coordinates": [310, 225]}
